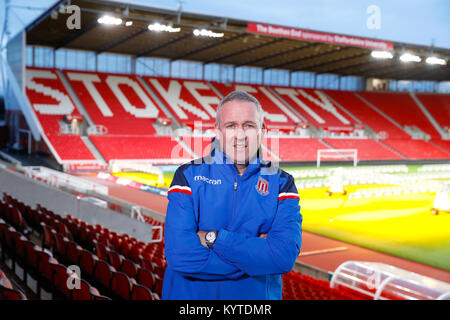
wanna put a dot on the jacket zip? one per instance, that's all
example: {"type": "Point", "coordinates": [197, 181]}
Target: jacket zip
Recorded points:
{"type": "Point", "coordinates": [234, 197]}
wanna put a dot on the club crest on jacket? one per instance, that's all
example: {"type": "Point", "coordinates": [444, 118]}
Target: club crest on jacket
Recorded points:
{"type": "Point", "coordinates": [262, 186]}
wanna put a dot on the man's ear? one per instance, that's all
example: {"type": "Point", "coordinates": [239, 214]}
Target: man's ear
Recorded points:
{"type": "Point", "coordinates": [217, 132]}
{"type": "Point", "coordinates": [263, 129]}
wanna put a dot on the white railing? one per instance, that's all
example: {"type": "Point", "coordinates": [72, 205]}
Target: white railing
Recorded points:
{"type": "Point", "coordinates": [384, 282]}
{"type": "Point", "coordinates": [59, 179]}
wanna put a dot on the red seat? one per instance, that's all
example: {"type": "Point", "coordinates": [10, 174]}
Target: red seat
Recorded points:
{"type": "Point", "coordinates": [73, 252]}
{"type": "Point", "coordinates": [125, 247]}
{"type": "Point", "coordinates": [73, 228]}
{"type": "Point", "coordinates": [11, 294]}
{"type": "Point", "coordinates": [62, 228]}
{"type": "Point", "coordinates": [100, 250]}
{"type": "Point", "coordinates": [103, 273]}
{"type": "Point", "coordinates": [84, 292]}
{"type": "Point", "coordinates": [103, 237]}
{"type": "Point", "coordinates": [115, 259]}
{"type": "Point", "coordinates": [45, 261]}
{"type": "Point", "coordinates": [16, 218]}
{"type": "Point", "coordinates": [60, 277]}
{"type": "Point", "coordinates": [129, 268]}
{"type": "Point", "coordinates": [87, 262]}
{"type": "Point", "coordinates": [9, 238]}
{"type": "Point", "coordinates": [148, 264]}
{"type": "Point", "coordinates": [3, 227]}
{"type": "Point", "coordinates": [32, 256]}
{"type": "Point", "coordinates": [158, 285]}
{"type": "Point", "coordinates": [135, 254]}
{"type": "Point", "coordinates": [141, 292]}
{"type": "Point", "coordinates": [116, 241]}
{"type": "Point", "coordinates": [47, 239]}
{"type": "Point", "coordinates": [60, 245]}
{"type": "Point", "coordinates": [146, 278]}
{"type": "Point", "coordinates": [121, 285]}
{"type": "Point", "coordinates": [35, 217]}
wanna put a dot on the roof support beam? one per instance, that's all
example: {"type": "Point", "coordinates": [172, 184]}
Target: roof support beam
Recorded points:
{"type": "Point", "coordinates": [308, 57]}
{"type": "Point", "coordinates": [78, 34]}
{"type": "Point", "coordinates": [120, 41]}
{"type": "Point", "coordinates": [214, 44]}
{"type": "Point", "coordinates": [244, 50]}
{"type": "Point", "coordinates": [277, 54]}
{"type": "Point", "coordinates": [166, 44]}
{"type": "Point", "coordinates": [332, 62]}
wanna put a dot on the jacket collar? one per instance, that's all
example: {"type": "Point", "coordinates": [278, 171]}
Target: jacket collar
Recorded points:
{"type": "Point", "coordinates": [218, 157]}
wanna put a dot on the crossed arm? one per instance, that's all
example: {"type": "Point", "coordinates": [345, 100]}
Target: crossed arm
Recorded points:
{"type": "Point", "coordinates": [201, 236]}
{"type": "Point", "coordinates": [234, 255]}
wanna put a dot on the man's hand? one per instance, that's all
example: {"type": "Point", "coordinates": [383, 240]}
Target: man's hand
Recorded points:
{"type": "Point", "coordinates": [263, 235]}
{"type": "Point", "coordinates": [201, 235]}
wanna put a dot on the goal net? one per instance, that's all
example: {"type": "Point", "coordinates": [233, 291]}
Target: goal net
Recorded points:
{"type": "Point", "coordinates": [337, 154]}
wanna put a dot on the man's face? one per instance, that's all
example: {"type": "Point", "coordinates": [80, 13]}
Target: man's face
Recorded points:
{"type": "Point", "coordinates": [239, 130]}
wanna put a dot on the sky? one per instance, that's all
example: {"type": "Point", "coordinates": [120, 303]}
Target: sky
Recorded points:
{"type": "Point", "coordinates": [421, 22]}
{"type": "Point", "coordinates": [409, 21]}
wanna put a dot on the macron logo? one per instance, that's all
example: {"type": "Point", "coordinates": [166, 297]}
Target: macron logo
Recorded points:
{"type": "Point", "coordinates": [207, 180]}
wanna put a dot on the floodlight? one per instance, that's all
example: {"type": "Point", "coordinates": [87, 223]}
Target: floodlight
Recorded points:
{"type": "Point", "coordinates": [382, 54]}
{"type": "Point", "coordinates": [109, 20]}
{"type": "Point", "coordinates": [207, 33]}
{"type": "Point", "coordinates": [162, 27]}
{"type": "Point", "coordinates": [408, 57]}
{"type": "Point", "coordinates": [436, 60]}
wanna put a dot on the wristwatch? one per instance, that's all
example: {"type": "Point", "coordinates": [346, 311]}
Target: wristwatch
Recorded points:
{"type": "Point", "coordinates": [210, 238]}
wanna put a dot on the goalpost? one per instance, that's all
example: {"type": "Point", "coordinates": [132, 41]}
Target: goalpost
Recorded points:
{"type": "Point", "coordinates": [342, 154]}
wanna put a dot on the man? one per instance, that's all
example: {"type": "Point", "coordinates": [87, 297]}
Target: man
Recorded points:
{"type": "Point", "coordinates": [233, 223]}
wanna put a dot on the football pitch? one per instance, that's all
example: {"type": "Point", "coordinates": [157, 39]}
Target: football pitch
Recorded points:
{"type": "Point", "coordinates": [384, 208]}
{"type": "Point", "coordinates": [394, 218]}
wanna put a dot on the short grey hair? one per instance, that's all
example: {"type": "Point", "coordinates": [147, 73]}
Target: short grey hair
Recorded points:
{"type": "Point", "coordinates": [240, 96]}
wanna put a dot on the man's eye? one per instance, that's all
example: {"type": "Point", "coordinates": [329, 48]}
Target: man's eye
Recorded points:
{"type": "Point", "coordinates": [229, 126]}
{"type": "Point", "coordinates": [249, 126]}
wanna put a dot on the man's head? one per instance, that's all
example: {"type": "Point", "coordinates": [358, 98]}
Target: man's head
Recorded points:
{"type": "Point", "coordinates": [239, 126]}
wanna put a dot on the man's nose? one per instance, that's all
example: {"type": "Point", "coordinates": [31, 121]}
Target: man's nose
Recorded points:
{"type": "Point", "coordinates": [240, 133]}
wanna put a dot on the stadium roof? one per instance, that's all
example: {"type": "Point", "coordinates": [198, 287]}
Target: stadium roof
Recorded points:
{"type": "Point", "coordinates": [243, 43]}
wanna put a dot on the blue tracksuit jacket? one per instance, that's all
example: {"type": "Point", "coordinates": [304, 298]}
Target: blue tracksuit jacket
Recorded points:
{"type": "Point", "coordinates": [208, 194]}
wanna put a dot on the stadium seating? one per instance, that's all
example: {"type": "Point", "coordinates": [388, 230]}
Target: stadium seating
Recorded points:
{"type": "Point", "coordinates": [136, 280]}
{"type": "Point", "coordinates": [139, 147]}
{"type": "Point", "coordinates": [297, 286]}
{"type": "Point", "coordinates": [316, 107]}
{"type": "Point", "coordinates": [438, 105]}
{"type": "Point", "coordinates": [277, 115]}
{"type": "Point", "coordinates": [367, 148]}
{"type": "Point", "coordinates": [47, 270]}
{"type": "Point", "coordinates": [416, 149]}
{"type": "Point", "coordinates": [117, 102]}
{"type": "Point", "coordinates": [401, 108]}
{"type": "Point", "coordinates": [51, 103]}
{"type": "Point", "coordinates": [188, 100]}
{"type": "Point", "coordinates": [370, 117]}
{"type": "Point", "coordinates": [443, 145]}
{"type": "Point", "coordinates": [11, 294]}
{"type": "Point", "coordinates": [296, 149]}
{"type": "Point", "coordinates": [128, 106]}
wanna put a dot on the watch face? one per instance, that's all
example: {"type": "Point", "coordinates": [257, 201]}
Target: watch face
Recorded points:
{"type": "Point", "coordinates": [210, 236]}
